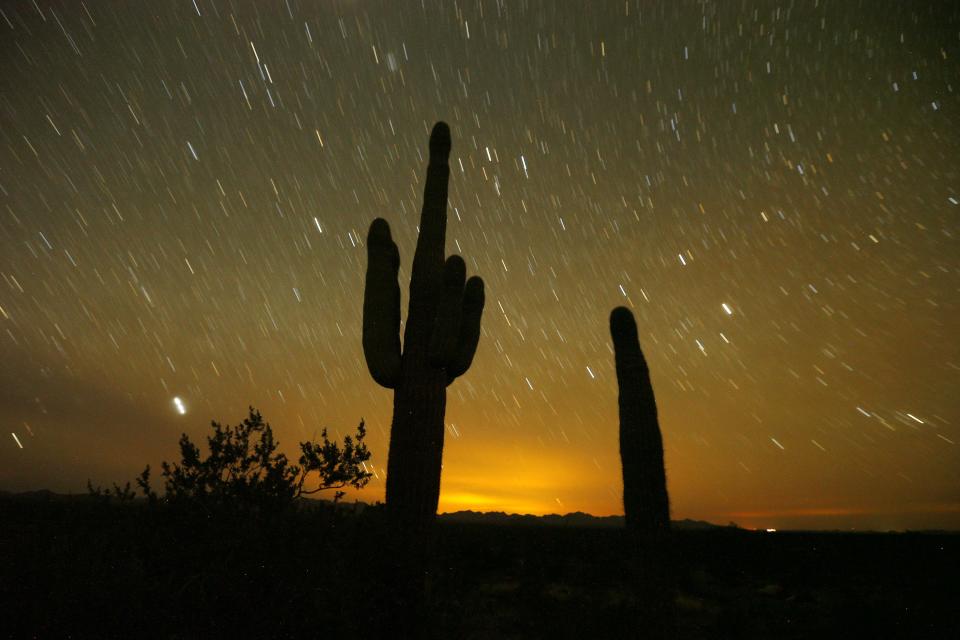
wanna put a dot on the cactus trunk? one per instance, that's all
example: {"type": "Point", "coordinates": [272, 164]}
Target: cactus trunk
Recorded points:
{"type": "Point", "coordinates": [645, 502]}
{"type": "Point", "coordinates": [416, 443]}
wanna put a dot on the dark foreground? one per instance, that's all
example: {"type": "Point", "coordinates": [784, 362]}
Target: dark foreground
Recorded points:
{"type": "Point", "coordinates": [80, 568]}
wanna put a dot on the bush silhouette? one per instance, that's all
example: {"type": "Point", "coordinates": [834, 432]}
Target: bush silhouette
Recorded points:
{"type": "Point", "coordinates": [106, 496]}
{"type": "Point", "coordinates": [243, 470]}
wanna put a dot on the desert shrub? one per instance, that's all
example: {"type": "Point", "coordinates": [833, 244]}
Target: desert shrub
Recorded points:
{"type": "Point", "coordinates": [243, 471]}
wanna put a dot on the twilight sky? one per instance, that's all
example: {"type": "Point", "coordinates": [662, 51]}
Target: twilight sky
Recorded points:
{"type": "Point", "coordinates": [772, 188]}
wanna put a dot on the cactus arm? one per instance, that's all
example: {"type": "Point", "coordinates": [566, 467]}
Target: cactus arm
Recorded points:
{"type": "Point", "coordinates": [473, 300]}
{"type": "Point", "coordinates": [446, 325]}
{"type": "Point", "coordinates": [381, 306]}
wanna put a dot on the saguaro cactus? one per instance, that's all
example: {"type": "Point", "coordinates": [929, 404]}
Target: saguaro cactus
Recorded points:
{"type": "Point", "coordinates": [645, 501]}
{"type": "Point", "coordinates": [440, 339]}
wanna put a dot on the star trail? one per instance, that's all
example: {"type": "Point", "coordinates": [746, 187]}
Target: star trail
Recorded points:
{"type": "Point", "coordinates": [773, 188]}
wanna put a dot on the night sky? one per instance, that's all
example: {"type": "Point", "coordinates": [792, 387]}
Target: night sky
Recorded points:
{"type": "Point", "coordinates": [772, 188]}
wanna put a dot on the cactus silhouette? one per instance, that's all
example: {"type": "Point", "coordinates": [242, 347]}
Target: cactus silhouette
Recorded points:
{"type": "Point", "coordinates": [645, 501]}
{"type": "Point", "coordinates": [440, 339]}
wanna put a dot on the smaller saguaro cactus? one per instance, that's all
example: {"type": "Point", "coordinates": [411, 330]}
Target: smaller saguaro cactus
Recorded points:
{"type": "Point", "coordinates": [645, 500]}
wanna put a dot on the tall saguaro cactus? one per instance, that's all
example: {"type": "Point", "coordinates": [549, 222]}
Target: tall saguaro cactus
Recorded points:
{"type": "Point", "coordinates": [440, 339]}
{"type": "Point", "coordinates": [645, 501]}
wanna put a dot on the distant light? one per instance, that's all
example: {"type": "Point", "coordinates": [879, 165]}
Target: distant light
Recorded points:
{"type": "Point", "coordinates": [178, 403]}
{"type": "Point", "coordinates": [16, 439]}
{"type": "Point", "coordinates": [727, 308]}
{"type": "Point", "coordinates": [770, 530]}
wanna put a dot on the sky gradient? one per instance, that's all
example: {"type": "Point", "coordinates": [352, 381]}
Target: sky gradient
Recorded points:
{"type": "Point", "coordinates": [773, 189]}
